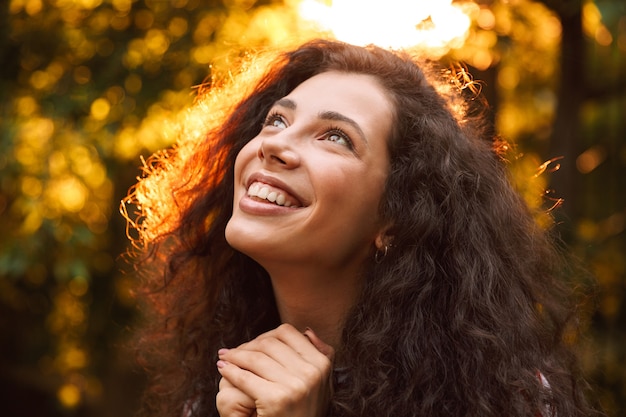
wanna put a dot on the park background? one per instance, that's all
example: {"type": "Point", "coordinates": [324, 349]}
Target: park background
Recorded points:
{"type": "Point", "coordinates": [89, 87]}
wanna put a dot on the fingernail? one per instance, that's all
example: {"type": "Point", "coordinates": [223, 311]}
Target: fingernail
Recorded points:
{"type": "Point", "coordinates": [221, 364]}
{"type": "Point", "coordinates": [222, 351]}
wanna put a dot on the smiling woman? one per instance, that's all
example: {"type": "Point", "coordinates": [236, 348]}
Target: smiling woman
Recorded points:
{"type": "Point", "coordinates": [344, 241]}
{"type": "Point", "coordinates": [314, 145]}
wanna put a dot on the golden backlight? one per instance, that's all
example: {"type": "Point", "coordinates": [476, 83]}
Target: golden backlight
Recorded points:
{"type": "Point", "coordinates": [434, 25]}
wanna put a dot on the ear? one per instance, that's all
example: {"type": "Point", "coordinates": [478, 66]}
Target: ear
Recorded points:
{"type": "Point", "coordinates": [383, 238]}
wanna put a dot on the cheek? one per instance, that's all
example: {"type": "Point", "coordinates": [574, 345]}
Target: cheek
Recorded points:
{"type": "Point", "coordinates": [245, 155]}
{"type": "Point", "coordinates": [355, 192]}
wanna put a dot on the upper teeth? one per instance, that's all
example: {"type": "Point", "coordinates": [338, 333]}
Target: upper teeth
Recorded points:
{"type": "Point", "coordinates": [265, 192]}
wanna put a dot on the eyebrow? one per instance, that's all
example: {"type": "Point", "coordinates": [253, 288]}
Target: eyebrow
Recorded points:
{"type": "Point", "coordinates": [287, 103]}
{"type": "Point", "coordinates": [326, 115]}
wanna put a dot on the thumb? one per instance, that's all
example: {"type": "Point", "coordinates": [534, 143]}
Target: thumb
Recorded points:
{"type": "Point", "coordinates": [322, 347]}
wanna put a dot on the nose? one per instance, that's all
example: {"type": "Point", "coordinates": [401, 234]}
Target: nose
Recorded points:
{"type": "Point", "coordinates": [278, 151]}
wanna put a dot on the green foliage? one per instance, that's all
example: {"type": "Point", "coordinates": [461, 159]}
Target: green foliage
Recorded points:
{"type": "Point", "coordinates": [520, 45]}
{"type": "Point", "coordinates": [87, 87]}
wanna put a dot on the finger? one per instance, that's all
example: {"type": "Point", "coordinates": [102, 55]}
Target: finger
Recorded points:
{"type": "Point", "coordinates": [298, 342]}
{"type": "Point", "coordinates": [273, 386]}
{"type": "Point", "coordinates": [247, 382]}
{"type": "Point", "coordinates": [269, 350]}
{"type": "Point", "coordinates": [232, 402]}
{"type": "Point", "coordinates": [322, 347]}
{"type": "Point", "coordinates": [268, 394]}
{"type": "Point", "coordinates": [264, 364]}
{"type": "Point", "coordinates": [225, 384]}
{"type": "Point", "coordinates": [283, 354]}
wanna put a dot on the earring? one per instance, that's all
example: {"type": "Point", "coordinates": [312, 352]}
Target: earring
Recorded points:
{"type": "Point", "coordinates": [381, 254]}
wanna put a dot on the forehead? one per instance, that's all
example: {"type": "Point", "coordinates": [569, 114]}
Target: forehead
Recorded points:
{"type": "Point", "coordinates": [343, 85]}
{"type": "Point", "coordinates": [358, 96]}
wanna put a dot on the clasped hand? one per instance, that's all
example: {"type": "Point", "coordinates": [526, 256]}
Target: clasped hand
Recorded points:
{"type": "Point", "coordinates": [281, 373]}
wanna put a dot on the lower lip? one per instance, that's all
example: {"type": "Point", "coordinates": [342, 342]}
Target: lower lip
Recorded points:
{"type": "Point", "coordinates": [251, 206]}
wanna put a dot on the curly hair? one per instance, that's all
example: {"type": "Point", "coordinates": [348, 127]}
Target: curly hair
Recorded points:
{"type": "Point", "coordinates": [464, 316]}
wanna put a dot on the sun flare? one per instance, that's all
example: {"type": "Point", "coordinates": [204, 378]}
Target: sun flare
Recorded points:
{"type": "Point", "coordinates": [434, 25]}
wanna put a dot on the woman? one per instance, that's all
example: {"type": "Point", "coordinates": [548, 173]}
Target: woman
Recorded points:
{"type": "Point", "coordinates": [344, 241]}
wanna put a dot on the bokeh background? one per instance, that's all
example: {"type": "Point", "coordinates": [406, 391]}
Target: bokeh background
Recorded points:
{"type": "Point", "coordinates": [89, 87]}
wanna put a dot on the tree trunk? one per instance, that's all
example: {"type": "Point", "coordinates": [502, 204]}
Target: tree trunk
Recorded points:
{"type": "Point", "coordinates": [566, 139]}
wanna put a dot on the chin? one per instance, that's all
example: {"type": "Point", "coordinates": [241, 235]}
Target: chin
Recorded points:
{"type": "Point", "coordinates": [240, 238]}
{"type": "Point", "coordinates": [231, 234]}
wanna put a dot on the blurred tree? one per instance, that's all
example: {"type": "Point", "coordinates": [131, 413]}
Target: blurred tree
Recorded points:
{"type": "Point", "coordinates": [86, 87]}
{"type": "Point", "coordinates": [589, 132]}
{"type": "Point", "coordinates": [557, 71]}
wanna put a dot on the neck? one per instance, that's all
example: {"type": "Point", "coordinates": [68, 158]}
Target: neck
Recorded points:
{"type": "Point", "coordinates": [319, 300]}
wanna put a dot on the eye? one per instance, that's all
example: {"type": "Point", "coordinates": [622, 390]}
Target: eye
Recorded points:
{"type": "Point", "coordinates": [275, 120]}
{"type": "Point", "coordinates": [339, 136]}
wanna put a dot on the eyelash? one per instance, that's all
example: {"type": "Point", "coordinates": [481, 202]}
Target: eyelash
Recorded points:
{"type": "Point", "coordinates": [340, 132]}
{"type": "Point", "coordinates": [272, 117]}
{"type": "Point", "coordinates": [333, 130]}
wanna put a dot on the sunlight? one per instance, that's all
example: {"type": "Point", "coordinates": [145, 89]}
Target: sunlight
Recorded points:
{"type": "Point", "coordinates": [69, 395]}
{"type": "Point", "coordinates": [435, 25]}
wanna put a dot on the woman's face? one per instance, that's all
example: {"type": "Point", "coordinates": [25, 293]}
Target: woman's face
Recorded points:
{"type": "Point", "coordinates": [308, 187]}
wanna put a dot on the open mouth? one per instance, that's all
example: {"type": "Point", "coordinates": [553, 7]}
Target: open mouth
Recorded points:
{"type": "Point", "coordinates": [266, 193]}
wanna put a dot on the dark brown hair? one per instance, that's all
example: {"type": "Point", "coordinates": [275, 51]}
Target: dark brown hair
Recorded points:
{"type": "Point", "coordinates": [463, 317]}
